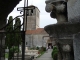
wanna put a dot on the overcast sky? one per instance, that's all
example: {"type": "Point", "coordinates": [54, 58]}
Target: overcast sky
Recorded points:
{"type": "Point", "coordinates": [45, 18]}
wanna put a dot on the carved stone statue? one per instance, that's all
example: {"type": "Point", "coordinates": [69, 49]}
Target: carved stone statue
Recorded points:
{"type": "Point", "coordinates": [57, 9]}
{"type": "Point", "coordinates": [67, 12]}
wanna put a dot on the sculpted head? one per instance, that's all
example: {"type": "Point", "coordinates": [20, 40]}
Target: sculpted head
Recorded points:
{"type": "Point", "coordinates": [57, 9]}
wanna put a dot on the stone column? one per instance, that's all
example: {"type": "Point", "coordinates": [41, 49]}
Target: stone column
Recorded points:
{"type": "Point", "coordinates": [76, 46]}
{"type": "Point", "coordinates": [66, 52]}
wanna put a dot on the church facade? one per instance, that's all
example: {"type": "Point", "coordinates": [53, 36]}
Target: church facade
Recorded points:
{"type": "Point", "coordinates": [35, 36]}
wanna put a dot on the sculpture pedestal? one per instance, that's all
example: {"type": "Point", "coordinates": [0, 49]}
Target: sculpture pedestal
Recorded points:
{"type": "Point", "coordinates": [76, 45]}
{"type": "Point", "coordinates": [63, 33]}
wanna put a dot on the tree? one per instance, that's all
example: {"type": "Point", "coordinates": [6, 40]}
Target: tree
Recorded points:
{"type": "Point", "coordinates": [13, 36]}
{"type": "Point", "coordinates": [17, 29]}
{"type": "Point", "coordinates": [9, 35]}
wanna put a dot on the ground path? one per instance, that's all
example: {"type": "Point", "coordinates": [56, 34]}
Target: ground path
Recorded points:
{"type": "Point", "coordinates": [46, 56]}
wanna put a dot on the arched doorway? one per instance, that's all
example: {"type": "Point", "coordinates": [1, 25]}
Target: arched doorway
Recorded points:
{"type": "Point", "coordinates": [49, 44]}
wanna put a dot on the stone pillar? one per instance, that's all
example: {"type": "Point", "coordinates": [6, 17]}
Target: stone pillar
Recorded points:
{"type": "Point", "coordinates": [66, 52]}
{"type": "Point", "coordinates": [73, 7]}
{"type": "Point", "coordinates": [76, 46]}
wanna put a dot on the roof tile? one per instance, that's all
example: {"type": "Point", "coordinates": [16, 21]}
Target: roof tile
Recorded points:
{"type": "Point", "coordinates": [37, 31]}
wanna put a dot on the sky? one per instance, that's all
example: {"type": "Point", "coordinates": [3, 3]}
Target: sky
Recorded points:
{"type": "Point", "coordinates": [45, 18]}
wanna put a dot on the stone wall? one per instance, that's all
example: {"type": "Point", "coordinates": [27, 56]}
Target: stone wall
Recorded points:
{"type": "Point", "coordinates": [33, 20]}
{"type": "Point", "coordinates": [31, 23]}
{"type": "Point", "coordinates": [76, 44]}
{"type": "Point", "coordinates": [27, 40]}
{"type": "Point", "coordinates": [36, 40]}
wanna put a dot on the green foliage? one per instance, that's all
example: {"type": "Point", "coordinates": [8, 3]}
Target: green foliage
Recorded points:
{"type": "Point", "coordinates": [55, 48]}
{"type": "Point", "coordinates": [32, 48]}
{"type": "Point", "coordinates": [43, 48]}
{"type": "Point", "coordinates": [17, 28]}
{"type": "Point", "coordinates": [54, 53]}
{"type": "Point", "coordinates": [9, 36]}
{"type": "Point", "coordinates": [13, 37]}
{"type": "Point", "coordinates": [41, 53]}
{"type": "Point", "coordinates": [37, 48]}
{"type": "Point", "coordinates": [6, 55]}
{"type": "Point", "coordinates": [13, 50]}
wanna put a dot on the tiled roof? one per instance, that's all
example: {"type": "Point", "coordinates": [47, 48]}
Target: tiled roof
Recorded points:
{"type": "Point", "coordinates": [37, 31]}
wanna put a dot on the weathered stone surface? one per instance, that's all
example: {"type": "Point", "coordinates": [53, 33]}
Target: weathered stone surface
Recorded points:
{"type": "Point", "coordinates": [69, 28]}
{"type": "Point", "coordinates": [35, 40]}
{"type": "Point", "coordinates": [33, 19]}
{"type": "Point", "coordinates": [66, 48]}
{"type": "Point", "coordinates": [76, 45]}
{"type": "Point", "coordinates": [62, 30]}
{"type": "Point", "coordinates": [73, 7]}
{"type": "Point", "coordinates": [57, 9]}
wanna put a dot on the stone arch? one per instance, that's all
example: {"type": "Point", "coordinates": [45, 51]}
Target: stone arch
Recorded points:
{"type": "Point", "coordinates": [49, 43]}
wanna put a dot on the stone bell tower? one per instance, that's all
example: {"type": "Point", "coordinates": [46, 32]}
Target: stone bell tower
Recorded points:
{"type": "Point", "coordinates": [33, 18]}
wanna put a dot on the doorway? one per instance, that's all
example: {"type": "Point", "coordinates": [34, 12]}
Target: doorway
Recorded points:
{"type": "Point", "coordinates": [50, 46]}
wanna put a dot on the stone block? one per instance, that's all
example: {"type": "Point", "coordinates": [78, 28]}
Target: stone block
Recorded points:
{"type": "Point", "coordinates": [76, 46]}
{"type": "Point", "coordinates": [73, 7]}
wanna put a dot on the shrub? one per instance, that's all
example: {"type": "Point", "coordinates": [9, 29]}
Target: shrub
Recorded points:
{"type": "Point", "coordinates": [43, 48]}
{"type": "Point", "coordinates": [54, 53]}
{"type": "Point", "coordinates": [54, 48]}
{"type": "Point", "coordinates": [41, 51]}
{"type": "Point", "coordinates": [12, 51]}
{"type": "Point", "coordinates": [37, 48]}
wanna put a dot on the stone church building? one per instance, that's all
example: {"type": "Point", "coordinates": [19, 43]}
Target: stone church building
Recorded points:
{"type": "Point", "coordinates": [35, 36]}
